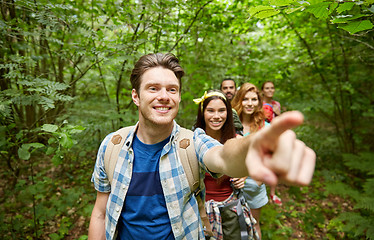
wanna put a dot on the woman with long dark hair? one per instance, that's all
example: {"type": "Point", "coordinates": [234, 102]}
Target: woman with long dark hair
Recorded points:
{"type": "Point", "coordinates": [223, 207]}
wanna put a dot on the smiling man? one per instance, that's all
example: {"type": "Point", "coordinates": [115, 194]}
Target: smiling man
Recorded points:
{"type": "Point", "coordinates": [149, 197]}
{"type": "Point", "coordinates": [228, 87]}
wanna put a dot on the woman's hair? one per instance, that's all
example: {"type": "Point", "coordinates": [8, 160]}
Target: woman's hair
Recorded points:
{"type": "Point", "coordinates": [228, 129]}
{"type": "Point", "coordinates": [152, 60]}
{"type": "Point", "coordinates": [257, 118]}
{"type": "Point", "coordinates": [263, 85]}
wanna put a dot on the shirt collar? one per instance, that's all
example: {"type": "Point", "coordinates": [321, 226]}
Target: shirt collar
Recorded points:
{"type": "Point", "coordinates": [173, 137]}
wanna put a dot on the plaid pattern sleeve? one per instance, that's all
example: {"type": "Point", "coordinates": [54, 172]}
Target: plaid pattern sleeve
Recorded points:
{"type": "Point", "coordinates": [203, 143]}
{"type": "Point", "coordinates": [99, 176]}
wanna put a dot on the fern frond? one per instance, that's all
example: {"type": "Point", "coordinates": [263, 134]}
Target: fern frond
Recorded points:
{"type": "Point", "coordinates": [370, 233]}
{"type": "Point", "coordinates": [355, 222]}
{"type": "Point", "coordinates": [365, 202]}
{"type": "Point", "coordinates": [342, 189]}
{"type": "Point", "coordinates": [362, 162]}
{"type": "Point", "coordinates": [369, 186]}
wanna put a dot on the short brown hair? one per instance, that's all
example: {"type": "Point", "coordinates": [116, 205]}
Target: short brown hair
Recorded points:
{"type": "Point", "coordinates": [227, 79]}
{"type": "Point", "coordinates": [146, 62]}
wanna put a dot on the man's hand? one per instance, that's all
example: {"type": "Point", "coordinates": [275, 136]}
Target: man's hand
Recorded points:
{"type": "Point", "coordinates": [276, 155]}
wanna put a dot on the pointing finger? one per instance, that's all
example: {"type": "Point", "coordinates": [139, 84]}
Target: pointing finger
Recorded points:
{"type": "Point", "coordinates": [283, 123]}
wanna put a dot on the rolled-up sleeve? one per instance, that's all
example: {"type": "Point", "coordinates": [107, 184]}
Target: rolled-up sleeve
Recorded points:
{"type": "Point", "coordinates": [203, 143]}
{"type": "Point", "coordinates": [99, 175]}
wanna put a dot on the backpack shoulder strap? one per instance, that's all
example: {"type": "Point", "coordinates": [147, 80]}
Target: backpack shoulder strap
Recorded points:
{"type": "Point", "coordinates": [112, 150]}
{"type": "Point", "coordinates": [187, 154]}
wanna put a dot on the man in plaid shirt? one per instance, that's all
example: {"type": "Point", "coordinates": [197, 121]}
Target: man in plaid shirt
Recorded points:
{"type": "Point", "coordinates": [150, 197]}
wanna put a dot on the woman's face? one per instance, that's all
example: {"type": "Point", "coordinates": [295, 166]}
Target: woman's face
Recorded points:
{"type": "Point", "coordinates": [215, 115]}
{"type": "Point", "coordinates": [268, 90]}
{"type": "Point", "coordinates": [250, 103]}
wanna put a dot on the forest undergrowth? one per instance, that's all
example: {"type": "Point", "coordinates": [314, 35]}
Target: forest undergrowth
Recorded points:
{"type": "Point", "coordinates": [59, 202]}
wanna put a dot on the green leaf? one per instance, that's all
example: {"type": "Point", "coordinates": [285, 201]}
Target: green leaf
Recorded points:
{"type": "Point", "coordinates": [280, 3]}
{"type": "Point", "coordinates": [66, 141]}
{"type": "Point", "coordinates": [345, 19]}
{"type": "Point", "coordinates": [50, 150]}
{"type": "Point", "coordinates": [263, 11]}
{"type": "Point", "coordinates": [332, 7]}
{"type": "Point", "coordinates": [49, 128]}
{"type": "Point", "coordinates": [54, 236]}
{"type": "Point", "coordinates": [291, 10]}
{"type": "Point", "coordinates": [319, 10]}
{"type": "Point", "coordinates": [23, 153]}
{"type": "Point", "coordinates": [267, 13]}
{"type": "Point", "coordinates": [257, 9]}
{"type": "Point", "coordinates": [345, 7]}
{"type": "Point", "coordinates": [34, 145]}
{"type": "Point", "coordinates": [83, 237]}
{"type": "Point", "coordinates": [357, 26]}
{"type": "Point", "coordinates": [51, 140]}
{"type": "Point", "coordinates": [57, 159]}
{"type": "Point", "coordinates": [77, 129]}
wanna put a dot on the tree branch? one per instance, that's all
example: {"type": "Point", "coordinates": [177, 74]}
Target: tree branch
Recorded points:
{"type": "Point", "coordinates": [188, 28]}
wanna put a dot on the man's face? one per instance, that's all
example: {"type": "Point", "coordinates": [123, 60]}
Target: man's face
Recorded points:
{"type": "Point", "coordinates": [158, 97]}
{"type": "Point", "coordinates": [228, 88]}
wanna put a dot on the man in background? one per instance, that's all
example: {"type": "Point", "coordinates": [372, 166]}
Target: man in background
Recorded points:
{"type": "Point", "coordinates": [228, 87]}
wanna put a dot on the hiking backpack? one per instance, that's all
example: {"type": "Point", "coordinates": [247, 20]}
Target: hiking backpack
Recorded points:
{"type": "Point", "coordinates": [187, 156]}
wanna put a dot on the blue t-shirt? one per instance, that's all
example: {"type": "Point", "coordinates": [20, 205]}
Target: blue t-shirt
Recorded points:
{"type": "Point", "coordinates": [144, 214]}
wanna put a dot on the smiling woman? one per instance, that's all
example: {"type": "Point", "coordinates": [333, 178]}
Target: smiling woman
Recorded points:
{"type": "Point", "coordinates": [219, 113]}
{"type": "Point", "coordinates": [248, 104]}
{"type": "Point", "coordinates": [215, 117]}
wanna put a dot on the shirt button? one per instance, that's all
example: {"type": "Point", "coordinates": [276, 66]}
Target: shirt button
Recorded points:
{"type": "Point", "coordinates": [112, 230]}
{"type": "Point", "coordinates": [117, 209]}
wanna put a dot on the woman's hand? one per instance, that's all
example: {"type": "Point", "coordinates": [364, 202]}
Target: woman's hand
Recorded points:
{"type": "Point", "coordinates": [276, 110]}
{"type": "Point", "coordinates": [238, 182]}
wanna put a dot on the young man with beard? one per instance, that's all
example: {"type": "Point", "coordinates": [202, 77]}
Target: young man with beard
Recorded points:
{"type": "Point", "coordinates": [149, 197]}
{"type": "Point", "coordinates": [228, 87]}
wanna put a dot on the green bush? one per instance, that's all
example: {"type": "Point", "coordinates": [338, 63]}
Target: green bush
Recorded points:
{"type": "Point", "coordinates": [358, 188]}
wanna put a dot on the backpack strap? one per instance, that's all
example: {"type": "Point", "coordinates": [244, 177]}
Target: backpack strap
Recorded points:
{"type": "Point", "coordinates": [112, 150]}
{"type": "Point", "coordinates": [187, 155]}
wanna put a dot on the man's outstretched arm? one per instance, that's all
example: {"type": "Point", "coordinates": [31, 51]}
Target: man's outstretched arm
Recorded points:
{"type": "Point", "coordinates": [96, 229]}
{"type": "Point", "coordinates": [270, 155]}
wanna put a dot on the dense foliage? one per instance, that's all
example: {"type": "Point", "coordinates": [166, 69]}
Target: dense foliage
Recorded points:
{"type": "Point", "coordinates": [64, 70]}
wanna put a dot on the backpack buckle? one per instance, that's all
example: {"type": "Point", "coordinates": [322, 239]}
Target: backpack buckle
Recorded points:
{"type": "Point", "coordinates": [197, 192]}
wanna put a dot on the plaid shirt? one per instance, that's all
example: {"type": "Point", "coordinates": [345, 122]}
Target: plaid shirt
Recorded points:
{"type": "Point", "coordinates": [214, 215]}
{"type": "Point", "coordinates": [181, 203]}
